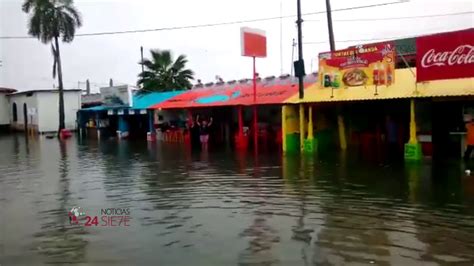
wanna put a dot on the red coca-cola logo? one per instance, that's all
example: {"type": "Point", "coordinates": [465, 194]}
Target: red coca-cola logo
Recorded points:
{"type": "Point", "coordinates": [461, 55]}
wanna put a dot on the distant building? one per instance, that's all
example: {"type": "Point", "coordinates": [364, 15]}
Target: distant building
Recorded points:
{"type": "Point", "coordinates": [4, 108]}
{"type": "Point", "coordinates": [38, 110]}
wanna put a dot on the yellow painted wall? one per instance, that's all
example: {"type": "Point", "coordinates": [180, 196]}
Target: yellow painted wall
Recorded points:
{"type": "Point", "coordinates": [292, 119]}
{"type": "Point", "coordinates": [405, 86]}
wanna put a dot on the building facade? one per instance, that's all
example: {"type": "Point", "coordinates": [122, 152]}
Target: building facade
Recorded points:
{"type": "Point", "coordinates": [38, 110]}
{"type": "Point", "coordinates": [4, 108]}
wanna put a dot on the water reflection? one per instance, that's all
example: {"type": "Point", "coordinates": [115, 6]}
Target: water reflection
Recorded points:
{"type": "Point", "coordinates": [58, 241]}
{"type": "Point", "coordinates": [223, 208]}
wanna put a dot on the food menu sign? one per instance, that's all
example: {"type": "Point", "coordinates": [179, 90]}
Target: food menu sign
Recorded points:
{"type": "Point", "coordinates": [363, 65]}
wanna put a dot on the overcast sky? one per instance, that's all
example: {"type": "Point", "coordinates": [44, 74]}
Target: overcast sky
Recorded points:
{"type": "Point", "coordinates": [27, 63]}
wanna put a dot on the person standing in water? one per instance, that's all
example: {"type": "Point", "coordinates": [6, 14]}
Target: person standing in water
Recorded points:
{"type": "Point", "coordinates": [469, 139]}
{"type": "Point", "coordinates": [195, 135]}
{"type": "Point", "coordinates": [204, 131]}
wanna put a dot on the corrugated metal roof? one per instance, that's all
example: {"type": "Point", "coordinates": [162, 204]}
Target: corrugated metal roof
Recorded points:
{"type": "Point", "coordinates": [144, 101]}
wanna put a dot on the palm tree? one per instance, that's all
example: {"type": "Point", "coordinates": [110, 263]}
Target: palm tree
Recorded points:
{"type": "Point", "coordinates": [163, 74]}
{"type": "Point", "coordinates": [49, 21]}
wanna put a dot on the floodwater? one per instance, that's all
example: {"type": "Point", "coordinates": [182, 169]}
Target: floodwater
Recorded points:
{"type": "Point", "coordinates": [223, 208]}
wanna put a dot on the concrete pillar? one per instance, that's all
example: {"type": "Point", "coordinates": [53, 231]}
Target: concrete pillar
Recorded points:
{"type": "Point", "coordinates": [413, 150]}
{"type": "Point", "coordinates": [97, 125]}
{"type": "Point", "coordinates": [283, 127]}
{"type": "Point", "coordinates": [310, 123]}
{"type": "Point", "coordinates": [291, 129]}
{"type": "Point", "coordinates": [151, 135]}
{"type": "Point", "coordinates": [302, 126]}
{"type": "Point", "coordinates": [342, 132]}
{"type": "Point", "coordinates": [413, 138]}
{"type": "Point", "coordinates": [310, 142]}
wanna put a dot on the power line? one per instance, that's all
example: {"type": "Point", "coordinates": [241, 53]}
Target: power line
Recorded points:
{"type": "Point", "coordinates": [214, 24]}
{"type": "Point", "coordinates": [397, 18]}
{"type": "Point", "coordinates": [374, 39]}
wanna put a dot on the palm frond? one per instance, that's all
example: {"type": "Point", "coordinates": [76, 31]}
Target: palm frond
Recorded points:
{"type": "Point", "coordinates": [162, 73]}
{"type": "Point", "coordinates": [52, 18]}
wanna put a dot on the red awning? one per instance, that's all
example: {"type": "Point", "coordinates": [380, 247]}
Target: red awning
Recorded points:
{"type": "Point", "coordinates": [237, 95]}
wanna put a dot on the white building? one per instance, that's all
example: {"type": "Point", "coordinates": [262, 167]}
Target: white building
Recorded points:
{"type": "Point", "coordinates": [4, 108]}
{"type": "Point", "coordinates": [40, 110]}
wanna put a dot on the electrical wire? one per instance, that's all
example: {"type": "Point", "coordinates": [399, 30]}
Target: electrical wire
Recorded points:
{"type": "Point", "coordinates": [397, 18]}
{"type": "Point", "coordinates": [213, 24]}
{"type": "Point", "coordinates": [374, 39]}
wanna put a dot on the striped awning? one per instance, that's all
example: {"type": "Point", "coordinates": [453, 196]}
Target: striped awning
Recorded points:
{"type": "Point", "coordinates": [231, 96]}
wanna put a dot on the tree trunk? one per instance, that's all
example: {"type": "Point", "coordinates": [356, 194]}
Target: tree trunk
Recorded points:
{"type": "Point", "coordinates": [61, 88]}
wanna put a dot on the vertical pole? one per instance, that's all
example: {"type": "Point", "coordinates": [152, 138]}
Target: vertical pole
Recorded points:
{"type": "Point", "coordinates": [332, 44]}
{"type": "Point", "coordinates": [255, 122]}
{"type": "Point", "coordinates": [342, 132]}
{"type": "Point", "coordinates": [88, 87]}
{"type": "Point", "coordinates": [241, 123]}
{"type": "Point", "coordinates": [150, 121]}
{"type": "Point", "coordinates": [302, 131]}
{"type": "Point", "coordinates": [151, 131]}
{"type": "Point", "coordinates": [299, 23]}
{"type": "Point", "coordinates": [141, 53]}
{"type": "Point", "coordinates": [330, 29]}
{"type": "Point", "coordinates": [97, 125]}
{"type": "Point", "coordinates": [413, 139]}
{"type": "Point", "coordinates": [293, 45]}
{"type": "Point", "coordinates": [281, 37]}
{"type": "Point", "coordinates": [283, 127]}
{"type": "Point", "coordinates": [310, 123]}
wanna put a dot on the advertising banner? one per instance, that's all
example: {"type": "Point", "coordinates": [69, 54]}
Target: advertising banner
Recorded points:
{"type": "Point", "coordinates": [117, 96]}
{"type": "Point", "coordinates": [445, 56]}
{"type": "Point", "coordinates": [253, 42]}
{"type": "Point", "coordinates": [372, 64]}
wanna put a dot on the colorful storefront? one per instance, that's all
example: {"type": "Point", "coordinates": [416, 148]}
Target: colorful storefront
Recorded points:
{"type": "Point", "coordinates": [231, 106]}
{"type": "Point", "coordinates": [122, 121]}
{"type": "Point", "coordinates": [361, 91]}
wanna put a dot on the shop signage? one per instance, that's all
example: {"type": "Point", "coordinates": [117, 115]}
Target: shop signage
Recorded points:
{"type": "Point", "coordinates": [445, 56]}
{"type": "Point", "coordinates": [253, 42]}
{"type": "Point", "coordinates": [117, 96]}
{"type": "Point", "coordinates": [362, 65]}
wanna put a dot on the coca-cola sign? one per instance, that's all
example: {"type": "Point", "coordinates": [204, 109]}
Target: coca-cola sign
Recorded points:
{"type": "Point", "coordinates": [445, 56]}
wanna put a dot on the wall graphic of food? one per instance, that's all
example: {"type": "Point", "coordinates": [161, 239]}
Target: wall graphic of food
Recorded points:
{"type": "Point", "coordinates": [355, 77]}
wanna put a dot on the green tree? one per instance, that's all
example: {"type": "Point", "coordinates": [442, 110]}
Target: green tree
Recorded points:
{"type": "Point", "coordinates": [51, 20]}
{"type": "Point", "coordinates": [163, 74]}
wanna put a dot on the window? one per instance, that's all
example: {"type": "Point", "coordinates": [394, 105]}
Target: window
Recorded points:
{"type": "Point", "coordinates": [14, 112]}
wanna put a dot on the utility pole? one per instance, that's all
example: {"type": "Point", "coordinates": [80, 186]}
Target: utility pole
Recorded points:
{"type": "Point", "coordinates": [88, 87]}
{"type": "Point", "coordinates": [281, 37]}
{"type": "Point", "coordinates": [299, 65]}
{"type": "Point", "coordinates": [141, 52]}
{"type": "Point", "coordinates": [331, 32]}
{"type": "Point", "coordinates": [293, 45]}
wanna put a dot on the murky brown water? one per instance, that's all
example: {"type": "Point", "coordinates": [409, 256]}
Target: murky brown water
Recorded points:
{"type": "Point", "coordinates": [227, 209]}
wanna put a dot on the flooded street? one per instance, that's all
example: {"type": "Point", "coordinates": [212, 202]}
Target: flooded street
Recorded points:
{"type": "Point", "coordinates": [228, 209]}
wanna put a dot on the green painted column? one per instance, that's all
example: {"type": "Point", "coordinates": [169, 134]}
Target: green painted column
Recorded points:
{"type": "Point", "coordinates": [290, 128]}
